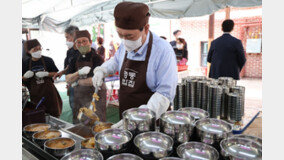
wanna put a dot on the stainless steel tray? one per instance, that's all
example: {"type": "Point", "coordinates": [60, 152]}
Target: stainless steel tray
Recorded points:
{"type": "Point", "coordinates": [56, 123]}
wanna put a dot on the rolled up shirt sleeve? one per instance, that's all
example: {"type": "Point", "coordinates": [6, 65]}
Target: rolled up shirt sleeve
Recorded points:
{"type": "Point", "coordinates": [112, 64]}
{"type": "Point", "coordinates": [166, 73]}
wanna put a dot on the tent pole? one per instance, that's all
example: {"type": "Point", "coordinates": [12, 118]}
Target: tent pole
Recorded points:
{"type": "Point", "coordinates": [210, 36]}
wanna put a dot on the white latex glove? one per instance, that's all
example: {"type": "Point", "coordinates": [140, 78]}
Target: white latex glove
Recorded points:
{"type": "Point", "coordinates": [42, 74]}
{"type": "Point", "coordinates": [158, 104]}
{"type": "Point", "coordinates": [28, 74]}
{"type": "Point", "coordinates": [99, 74]}
{"type": "Point", "coordinates": [118, 125]}
{"type": "Point", "coordinates": [85, 70]}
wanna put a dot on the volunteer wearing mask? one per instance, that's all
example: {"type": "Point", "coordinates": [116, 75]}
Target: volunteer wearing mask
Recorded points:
{"type": "Point", "coordinates": [176, 34]}
{"type": "Point", "coordinates": [146, 63]}
{"type": "Point", "coordinates": [71, 53]}
{"type": "Point", "coordinates": [79, 75]}
{"type": "Point", "coordinates": [37, 73]}
{"type": "Point", "coordinates": [181, 49]}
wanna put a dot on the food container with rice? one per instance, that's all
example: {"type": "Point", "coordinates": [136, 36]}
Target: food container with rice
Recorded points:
{"type": "Point", "coordinates": [59, 147]}
{"type": "Point", "coordinates": [30, 129]}
{"type": "Point", "coordinates": [42, 136]}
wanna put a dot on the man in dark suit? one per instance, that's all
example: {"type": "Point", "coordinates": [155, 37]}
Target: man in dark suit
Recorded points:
{"type": "Point", "coordinates": [226, 54]}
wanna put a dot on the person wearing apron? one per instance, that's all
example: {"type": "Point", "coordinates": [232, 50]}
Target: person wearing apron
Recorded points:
{"type": "Point", "coordinates": [79, 76]}
{"type": "Point", "coordinates": [146, 63]}
{"type": "Point", "coordinates": [38, 72]}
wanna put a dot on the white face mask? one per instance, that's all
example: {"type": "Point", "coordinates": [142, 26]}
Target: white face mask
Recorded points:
{"type": "Point", "coordinates": [132, 45]}
{"type": "Point", "coordinates": [36, 54]}
{"type": "Point", "coordinates": [179, 46]}
{"type": "Point", "coordinates": [69, 44]}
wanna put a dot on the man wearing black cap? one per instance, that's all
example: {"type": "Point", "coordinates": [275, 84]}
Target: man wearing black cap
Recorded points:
{"type": "Point", "coordinates": [146, 63]}
{"type": "Point", "coordinates": [79, 75]}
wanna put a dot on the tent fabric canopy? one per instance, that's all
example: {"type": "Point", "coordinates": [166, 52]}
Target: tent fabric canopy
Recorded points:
{"type": "Point", "coordinates": [55, 15]}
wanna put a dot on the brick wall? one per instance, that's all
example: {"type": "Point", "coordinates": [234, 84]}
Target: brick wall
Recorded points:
{"type": "Point", "coordinates": [196, 31]}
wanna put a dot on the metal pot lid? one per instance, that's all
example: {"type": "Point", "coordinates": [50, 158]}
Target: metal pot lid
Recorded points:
{"type": "Point", "coordinates": [113, 137]}
{"type": "Point", "coordinates": [83, 154]}
{"type": "Point", "coordinates": [177, 117]}
{"type": "Point", "coordinates": [197, 113]}
{"type": "Point", "coordinates": [153, 142]}
{"type": "Point", "coordinates": [250, 137]}
{"type": "Point", "coordinates": [124, 156]}
{"type": "Point", "coordinates": [171, 158]}
{"type": "Point", "coordinates": [197, 151]}
{"type": "Point", "coordinates": [215, 126]}
{"type": "Point", "coordinates": [138, 114]}
{"type": "Point", "coordinates": [242, 148]}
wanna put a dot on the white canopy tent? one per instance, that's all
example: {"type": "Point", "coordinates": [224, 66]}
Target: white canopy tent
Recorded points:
{"type": "Point", "coordinates": [55, 15]}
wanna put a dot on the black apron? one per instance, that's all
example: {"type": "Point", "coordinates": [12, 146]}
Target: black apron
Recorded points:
{"type": "Point", "coordinates": [133, 87]}
{"type": "Point", "coordinates": [83, 95]}
{"type": "Point", "coordinates": [44, 87]}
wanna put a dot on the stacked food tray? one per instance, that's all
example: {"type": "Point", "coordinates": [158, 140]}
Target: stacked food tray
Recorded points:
{"type": "Point", "coordinates": [221, 98]}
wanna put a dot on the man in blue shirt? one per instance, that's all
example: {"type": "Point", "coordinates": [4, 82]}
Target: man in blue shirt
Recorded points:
{"type": "Point", "coordinates": [146, 63]}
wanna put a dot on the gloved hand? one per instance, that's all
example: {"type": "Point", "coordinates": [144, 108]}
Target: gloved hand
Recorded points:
{"type": "Point", "coordinates": [85, 70]}
{"type": "Point", "coordinates": [158, 104]}
{"type": "Point", "coordinates": [42, 74]}
{"type": "Point", "coordinates": [118, 125]}
{"type": "Point", "coordinates": [28, 74]}
{"type": "Point", "coordinates": [99, 74]}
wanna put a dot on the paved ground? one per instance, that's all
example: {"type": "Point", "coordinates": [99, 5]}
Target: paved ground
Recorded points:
{"type": "Point", "coordinates": [253, 102]}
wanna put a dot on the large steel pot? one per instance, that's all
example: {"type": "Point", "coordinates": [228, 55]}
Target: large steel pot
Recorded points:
{"type": "Point", "coordinates": [211, 130]}
{"type": "Point", "coordinates": [177, 124]}
{"type": "Point", "coordinates": [112, 139]}
{"type": "Point", "coordinates": [138, 120]}
{"type": "Point", "coordinates": [154, 144]}
{"type": "Point", "coordinates": [237, 148]}
{"type": "Point", "coordinates": [197, 150]}
{"type": "Point", "coordinates": [59, 152]}
{"type": "Point", "coordinates": [124, 156]}
{"type": "Point", "coordinates": [37, 137]}
{"type": "Point", "coordinates": [197, 113]}
{"type": "Point", "coordinates": [30, 129]}
{"type": "Point", "coordinates": [84, 154]}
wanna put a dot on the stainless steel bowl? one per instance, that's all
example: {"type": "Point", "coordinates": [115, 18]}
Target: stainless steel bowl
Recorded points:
{"type": "Point", "coordinates": [40, 141]}
{"type": "Point", "coordinates": [177, 124]}
{"type": "Point", "coordinates": [236, 148]}
{"type": "Point", "coordinates": [197, 150]}
{"type": "Point", "coordinates": [138, 120]}
{"type": "Point", "coordinates": [211, 130]}
{"type": "Point", "coordinates": [59, 152]}
{"type": "Point", "coordinates": [84, 154]}
{"type": "Point", "coordinates": [197, 113]}
{"type": "Point", "coordinates": [171, 158]}
{"type": "Point", "coordinates": [124, 156]}
{"type": "Point", "coordinates": [29, 134]}
{"type": "Point", "coordinates": [112, 139]}
{"type": "Point", "coordinates": [154, 143]}
{"type": "Point", "coordinates": [253, 138]}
